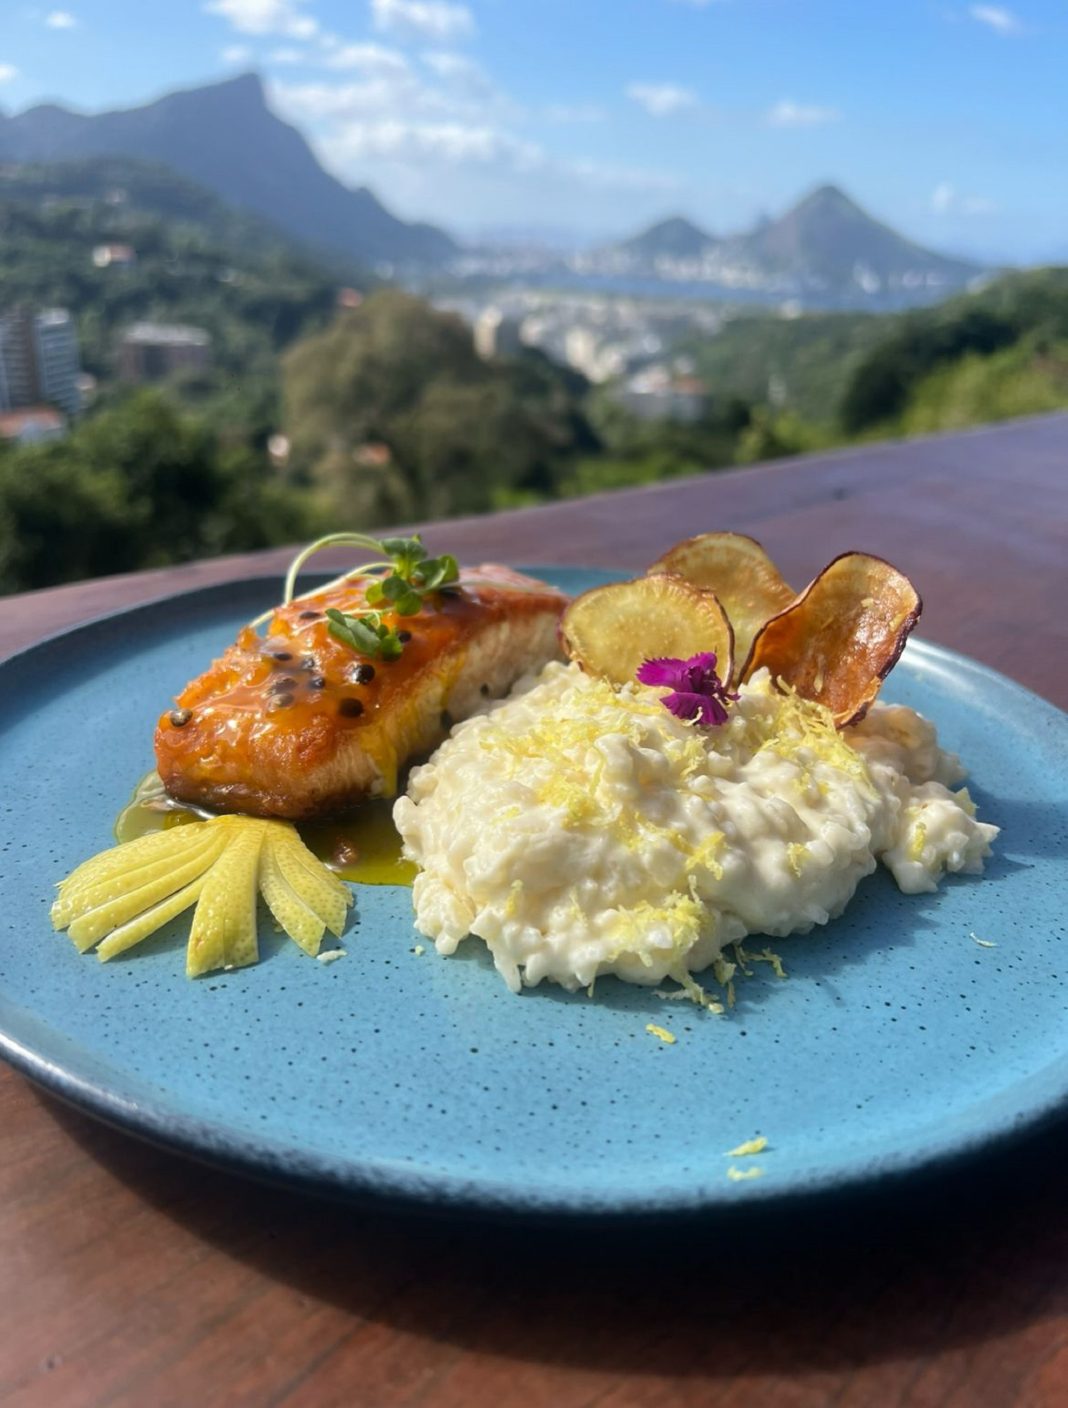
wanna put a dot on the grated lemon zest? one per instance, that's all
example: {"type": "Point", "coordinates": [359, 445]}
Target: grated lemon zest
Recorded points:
{"type": "Point", "coordinates": [766, 955]}
{"type": "Point", "coordinates": [739, 1175]}
{"type": "Point", "coordinates": [690, 990]}
{"type": "Point", "coordinates": [668, 1038]}
{"type": "Point", "coordinates": [704, 856]}
{"type": "Point", "coordinates": [511, 903]}
{"type": "Point", "coordinates": [983, 943]}
{"type": "Point", "coordinates": [684, 917]}
{"type": "Point", "coordinates": [801, 729]}
{"type": "Point", "coordinates": [750, 1146]}
{"type": "Point", "coordinates": [724, 970]}
{"type": "Point", "coordinates": [964, 800]}
{"type": "Point", "coordinates": [796, 855]}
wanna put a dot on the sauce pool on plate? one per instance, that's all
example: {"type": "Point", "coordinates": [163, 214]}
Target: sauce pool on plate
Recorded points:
{"type": "Point", "coordinates": [364, 848]}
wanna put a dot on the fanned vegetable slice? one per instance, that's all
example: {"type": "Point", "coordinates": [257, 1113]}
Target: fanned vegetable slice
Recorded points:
{"type": "Point", "coordinates": [122, 860]}
{"type": "Point", "coordinates": [119, 940]}
{"type": "Point", "coordinates": [118, 898]}
{"type": "Point", "coordinates": [73, 905]}
{"type": "Point", "coordinates": [842, 636]}
{"type": "Point", "coordinates": [317, 887]}
{"type": "Point", "coordinates": [120, 908]}
{"type": "Point", "coordinates": [301, 923]}
{"type": "Point", "coordinates": [223, 934]}
{"type": "Point", "coordinates": [741, 574]}
{"type": "Point", "coordinates": [611, 630]}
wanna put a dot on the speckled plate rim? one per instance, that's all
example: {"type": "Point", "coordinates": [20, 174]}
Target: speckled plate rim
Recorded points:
{"type": "Point", "coordinates": [1038, 1102]}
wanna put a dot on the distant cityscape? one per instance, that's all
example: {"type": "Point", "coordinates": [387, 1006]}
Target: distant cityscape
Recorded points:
{"type": "Point", "coordinates": [39, 373]}
{"type": "Point", "coordinates": [42, 385]}
{"type": "Point", "coordinates": [617, 314]}
{"type": "Point", "coordinates": [628, 342]}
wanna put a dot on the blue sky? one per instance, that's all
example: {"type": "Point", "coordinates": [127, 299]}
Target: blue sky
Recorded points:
{"type": "Point", "coordinates": [593, 116]}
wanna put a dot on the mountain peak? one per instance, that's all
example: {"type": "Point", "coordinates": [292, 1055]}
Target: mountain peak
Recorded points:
{"type": "Point", "coordinates": [826, 245]}
{"type": "Point", "coordinates": [828, 195]}
{"type": "Point", "coordinates": [831, 242]}
{"type": "Point", "coordinates": [241, 93]}
{"type": "Point", "coordinates": [224, 136]}
{"type": "Point", "coordinates": [248, 86]}
{"type": "Point", "coordinates": [675, 237]}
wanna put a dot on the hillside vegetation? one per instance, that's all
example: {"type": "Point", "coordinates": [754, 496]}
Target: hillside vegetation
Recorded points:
{"type": "Point", "coordinates": [198, 261]}
{"type": "Point", "coordinates": [388, 412]}
{"type": "Point", "coordinates": [1027, 312]}
{"type": "Point", "coordinates": [835, 377]}
{"type": "Point", "coordinates": [142, 484]}
{"type": "Point", "coordinates": [391, 414]}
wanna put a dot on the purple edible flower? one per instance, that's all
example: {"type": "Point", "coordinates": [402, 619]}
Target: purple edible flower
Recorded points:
{"type": "Point", "coordinates": [697, 692]}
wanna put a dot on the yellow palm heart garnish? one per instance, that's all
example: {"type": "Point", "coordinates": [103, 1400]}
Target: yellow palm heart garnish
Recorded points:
{"type": "Point", "coordinates": [123, 895]}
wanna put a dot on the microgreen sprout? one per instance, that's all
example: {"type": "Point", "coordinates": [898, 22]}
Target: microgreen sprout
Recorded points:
{"type": "Point", "coordinates": [368, 634]}
{"type": "Point", "coordinates": [399, 580]}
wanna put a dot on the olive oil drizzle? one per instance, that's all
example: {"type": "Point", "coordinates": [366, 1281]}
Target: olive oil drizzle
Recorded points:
{"type": "Point", "coordinates": [363, 848]}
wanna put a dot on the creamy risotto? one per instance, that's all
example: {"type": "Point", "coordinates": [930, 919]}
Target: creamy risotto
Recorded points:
{"type": "Point", "coordinates": [581, 830]}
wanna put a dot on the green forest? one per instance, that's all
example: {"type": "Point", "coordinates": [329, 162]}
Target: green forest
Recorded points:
{"type": "Point", "coordinates": [388, 413]}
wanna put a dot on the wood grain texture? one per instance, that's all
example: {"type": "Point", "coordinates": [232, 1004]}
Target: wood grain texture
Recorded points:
{"type": "Point", "coordinates": [129, 1277]}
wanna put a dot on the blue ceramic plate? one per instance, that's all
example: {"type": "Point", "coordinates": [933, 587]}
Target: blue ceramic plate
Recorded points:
{"type": "Point", "coordinates": [897, 1041]}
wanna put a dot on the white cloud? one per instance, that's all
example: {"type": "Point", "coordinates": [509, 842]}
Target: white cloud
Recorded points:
{"type": "Point", "coordinates": [428, 129]}
{"type": "Point", "coordinates": [283, 17]}
{"type": "Point", "coordinates": [438, 20]}
{"type": "Point", "coordinates": [662, 99]}
{"type": "Point", "coordinates": [446, 64]}
{"type": "Point", "coordinates": [947, 200]}
{"type": "Point", "coordinates": [287, 56]}
{"type": "Point", "coordinates": [366, 58]}
{"type": "Point", "coordinates": [427, 143]}
{"type": "Point", "coordinates": [8, 72]}
{"type": "Point", "coordinates": [996, 17]}
{"type": "Point", "coordinates": [574, 112]}
{"type": "Point", "coordinates": [787, 113]}
{"type": "Point", "coordinates": [385, 88]}
{"type": "Point", "coordinates": [61, 19]}
{"type": "Point", "coordinates": [621, 178]}
{"type": "Point", "coordinates": [237, 54]}
{"type": "Point", "coordinates": [385, 98]}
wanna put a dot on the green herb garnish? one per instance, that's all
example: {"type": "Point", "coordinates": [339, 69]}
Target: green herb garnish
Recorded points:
{"type": "Point", "coordinates": [367, 634]}
{"type": "Point", "coordinates": [400, 581]}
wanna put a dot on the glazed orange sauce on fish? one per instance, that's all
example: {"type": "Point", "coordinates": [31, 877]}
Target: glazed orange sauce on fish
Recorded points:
{"type": "Point", "coordinates": [278, 675]}
{"type": "Point", "coordinates": [284, 704]}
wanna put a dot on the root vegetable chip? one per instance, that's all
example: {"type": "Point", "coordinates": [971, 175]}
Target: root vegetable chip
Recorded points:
{"type": "Point", "coordinates": [841, 637]}
{"type": "Point", "coordinates": [611, 630]}
{"type": "Point", "coordinates": [741, 574]}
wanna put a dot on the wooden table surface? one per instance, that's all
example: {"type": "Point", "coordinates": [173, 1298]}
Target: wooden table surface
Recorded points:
{"type": "Point", "coordinates": [131, 1277]}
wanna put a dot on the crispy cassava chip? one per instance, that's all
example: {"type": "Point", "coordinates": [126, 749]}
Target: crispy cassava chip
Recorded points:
{"type": "Point", "coordinates": [741, 574]}
{"type": "Point", "coordinates": [611, 630]}
{"type": "Point", "coordinates": [841, 637]}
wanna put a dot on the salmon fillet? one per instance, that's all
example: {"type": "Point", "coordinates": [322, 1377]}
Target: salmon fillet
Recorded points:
{"type": "Point", "coordinates": [296, 724]}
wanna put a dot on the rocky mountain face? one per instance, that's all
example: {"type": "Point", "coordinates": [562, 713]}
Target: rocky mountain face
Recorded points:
{"type": "Point", "coordinates": [224, 136]}
{"type": "Point", "coordinates": [824, 244]}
